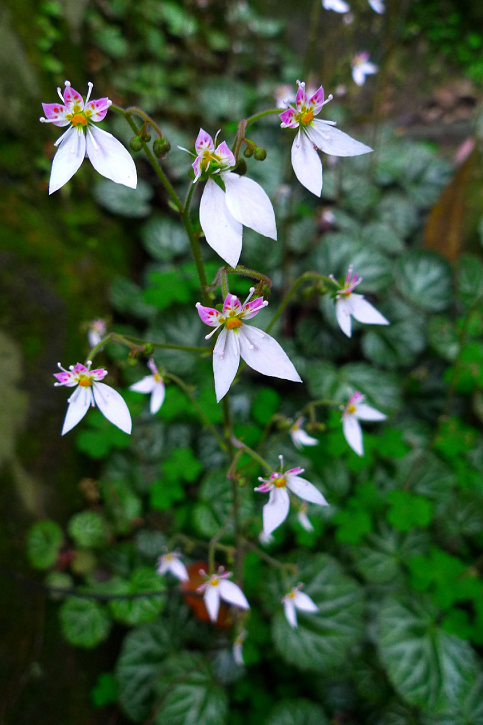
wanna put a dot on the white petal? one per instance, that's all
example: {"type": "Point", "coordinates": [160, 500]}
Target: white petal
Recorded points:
{"type": "Point", "coordinates": [363, 311]}
{"type": "Point", "coordinates": [109, 157]}
{"type": "Point", "coordinates": [276, 510]}
{"type": "Point", "coordinates": [157, 398]}
{"type": "Point", "coordinates": [303, 439]}
{"type": "Point", "coordinates": [79, 404]}
{"type": "Point", "coordinates": [306, 163]}
{"type": "Point", "coordinates": [343, 314]}
{"type": "Point", "coordinates": [353, 433]}
{"type": "Point", "coordinates": [249, 204]}
{"type": "Point", "coordinates": [232, 593]}
{"type": "Point", "coordinates": [305, 603]}
{"type": "Point", "coordinates": [262, 353]}
{"type": "Point", "coordinates": [366, 412]}
{"type": "Point", "coordinates": [222, 231]}
{"type": "Point", "coordinates": [332, 141]}
{"type": "Point", "coordinates": [112, 406]}
{"type": "Point", "coordinates": [290, 613]}
{"type": "Point", "coordinates": [305, 490]}
{"type": "Point", "coordinates": [69, 157]}
{"type": "Point", "coordinates": [226, 359]}
{"type": "Point", "coordinates": [145, 385]}
{"type": "Point", "coordinates": [212, 601]}
{"type": "Point", "coordinates": [358, 76]}
{"type": "Point", "coordinates": [179, 570]}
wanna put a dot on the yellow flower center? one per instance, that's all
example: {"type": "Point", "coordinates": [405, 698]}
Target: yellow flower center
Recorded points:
{"type": "Point", "coordinates": [280, 482]}
{"type": "Point", "coordinates": [234, 323]}
{"type": "Point", "coordinates": [306, 117]}
{"type": "Point", "coordinates": [85, 381]}
{"type": "Point", "coordinates": [351, 409]}
{"type": "Point", "coordinates": [80, 119]}
{"type": "Point", "coordinates": [158, 378]}
{"type": "Point", "coordinates": [215, 582]}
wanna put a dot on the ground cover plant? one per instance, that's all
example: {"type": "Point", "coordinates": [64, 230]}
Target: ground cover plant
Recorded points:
{"type": "Point", "coordinates": [299, 491]}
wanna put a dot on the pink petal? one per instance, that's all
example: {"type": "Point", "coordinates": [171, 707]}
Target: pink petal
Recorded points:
{"type": "Point", "coordinates": [204, 142]}
{"type": "Point", "coordinates": [72, 97]}
{"type": "Point", "coordinates": [99, 108]}
{"type": "Point", "coordinates": [317, 100]}
{"type": "Point", "coordinates": [253, 308]}
{"type": "Point", "coordinates": [301, 97]}
{"type": "Point", "coordinates": [288, 119]}
{"type": "Point", "coordinates": [56, 112]}
{"type": "Point", "coordinates": [208, 315]}
{"type": "Point", "coordinates": [232, 303]}
{"type": "Point", "coordinates": [226, 155]}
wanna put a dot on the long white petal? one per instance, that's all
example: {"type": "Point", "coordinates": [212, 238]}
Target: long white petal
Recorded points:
{"type": "Point", "coordinates": [212, 601]}
{"type": "Point", "coordinates": [79, 403]}
{"type": "Point", "coordinates": [109, 157]}
{"type": "Point", "coordinates": [305, 603]}
{"type": "Point", "coordinates": [249, 204]}
{"type": "Point", "coordinates": [112, 406]}
{"type": "Point", "coordinates": [69, 157]}
{"type": "Point", "coordinates": [262, 353]}
{"type": "Point", "coordinates": [358, 76]}
{"type": "Point", "coordinates": [306, 163]}
{"type": "Point", "coordinates": [157, 398]}
{"type": "Point", "coordinates": [303, 439]}
{"type": "Point", "coordinates": [179, 570]}
{"type": "Point", "coordinates": [332, 141]}
{"type": "Point", "coordinates": [226, 359]}
{"type": "Point", "coordinates": [343, 315]}
{"type": "Point", "coordinates": [222, 231]}
{"type": "Point", "coordinates": [290, 612]}
{"type": "Point", "coordinates": [275, 510]}
{"type": "Point", "coordinates": [353, 433]}
{"type": "Point", "coordinates": [232, 593]}
{"type": "Point", "coordinates": [363, 311]}
{"type": "Point", "coordinates": [305, 490]}
{"type": "Point", "coordinates": [145, 385]}
{"type": "Point", "coordinates": [366, 412]}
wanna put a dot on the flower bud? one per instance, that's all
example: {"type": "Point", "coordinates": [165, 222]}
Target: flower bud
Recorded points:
{"type": "Point", "coordinates": [260, 154]}
{"type": "Point", "coordinates": [146, 136]}
{"type": "Point", "coordinates": [135, 143]}
{"type": "Point", "coordinates": [161, 146]}
{"type": "Point", "coordinates": [248, 152]}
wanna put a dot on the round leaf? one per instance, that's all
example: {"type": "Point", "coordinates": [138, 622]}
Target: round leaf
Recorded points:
{"type": "Point", "coordinates": [424, 279]}
{"type": "Point", "coordinates": [85, 623]}
{"type": "Point", "coordinates": [297, 712]}
{"type": "Point", "coordinates": [43, 544]}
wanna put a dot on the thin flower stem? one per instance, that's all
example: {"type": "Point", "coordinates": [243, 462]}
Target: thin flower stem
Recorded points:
{"type": "Point", "coordinates": [234, 488]}
{"type": "Point", "coordinates": [243, 125]}
{"type": "Point", "coordinates": [284, 566]}
{"type": "Point", "coordinates": [188, 392]}
{"type": "Point", "coordinates": [138, 344]}
{"type": "Point", "coordinates": [135, 110]}
{"type": "Point", "coordinates": [183, 209]}
{"type": "Point", "coordinates": [213, 546]}
{"type": "Point", "coordinates": [313, 41]}
{"type": "Point", "coordinates": [253, 454]}
{"type": "Point", "coordinates": [325, 283]}
{"type": "Point", "coordinates": [225, 290]}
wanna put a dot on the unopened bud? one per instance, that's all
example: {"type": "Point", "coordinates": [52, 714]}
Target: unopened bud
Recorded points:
{"type": "Point", "coordinates": [260, 154]}
{"type": "Point", "coordinates": [146, 136]}
{"type": "Point", "coordinates": [161, 146]}
{"type": "Point", "coordinates": [248, 152]}
{"type": "Point", "coordinates": [135, 143]}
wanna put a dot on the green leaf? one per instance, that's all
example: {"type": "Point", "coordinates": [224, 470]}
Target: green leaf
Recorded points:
{"type": "Point", "coordinates": [385, 553]}
{"type": "Point", "coordinates": [424, 279]}
{"type": "Point", "coordinates": [322, 640]}
{"type": "Point", "coordinates": [122, 505]}
{"type": "Point", "coordinates": [443, 337]}
{"type": "Point", "coordinates": [213, 511]}
{"type": "Point", "coordinates": [139, 610]}
{"type": "Point", "coordinates": [188, 693]}
{"type": "Point", "coordinates": [88, 529]}
{"type": "Point", "coordinates": [106, 690]}
{"type": "Point", "coordinates": [265, 405]}
{"type": "Point", "coordinates": [399, 213]}
{"type": "Point", "coordinates": [383, 237]}
{"type": "Point", "coordinates": [469, 278]}
{"type": "Point", "coordinates": [428, 668]}
{"type": "Point", "coordinates": [142, 655]}
{"type": "Point", "coordinates": [164, 239]}
{"type": "Point", "coordinates": [165, 289]}
{"type": "Point", "coordinates": [84, 623]}
{"type": "Point", "coordinates": [398, 345]}
{"type": "Point", "coordinates": [122, 200]}
{"type": "Point", "coordinates": [407, 511]}
{"type": "Point", "coordinates": [297, 712]}
{"type": "Point", "coordinates": [43, 544]}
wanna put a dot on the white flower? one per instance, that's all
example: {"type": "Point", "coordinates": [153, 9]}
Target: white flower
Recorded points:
{"type": "Point", "coordinates": [362, 67]}
{"type": "Point", "coordinates": [172, 563]}
{"type": "Point", "coordinates": [230, 202]}
{"type": "Point", "coordinates": [96, 332]}
{"type": "Point", "coordinates": [295, 599]}
{"type": "Point", "coordinates": [91, 392]}
{"type": "Point", "coordinates": [301, 438]}
{"type": "Point", "coordinates": [107, 155]}
{"type": "Point", "coordinates": [258, 349]}
{"type": "Point", "coordinates": [349, 305]}
{"type": "Point", "coordinates": [338, 6]}
{"type": "Point", "coordinates": [355, 411]}
{"type": "Point", "coordinates": [238, 648]}
{"type": "Point", "coordinates": [278, 485]}
{"type": "Point", "coordinates": [217, 588]}
{"type": "Point", "coordinates": [153, 385]}
{"type": "Point", "coordinates": [377, 6]}
{"type": "Point", "coordinates": [314, 134]}
{"type": "Point", "coordinates": [303, 519]}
